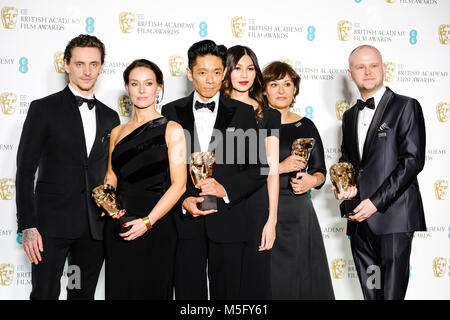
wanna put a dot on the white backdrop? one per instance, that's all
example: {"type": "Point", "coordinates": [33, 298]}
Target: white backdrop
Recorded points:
{"type": "Point", "coordinates": [316, 37]}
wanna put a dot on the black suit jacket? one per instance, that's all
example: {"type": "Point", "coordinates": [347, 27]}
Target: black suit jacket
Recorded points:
{"type": "Point", "coordinates": [53, 142]}
{"type": "Point", "coordinates": [393, 156]}
{"type": "Point", "coordinates": [239, 178]}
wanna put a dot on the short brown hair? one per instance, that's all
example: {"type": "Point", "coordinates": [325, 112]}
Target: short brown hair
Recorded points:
{"type": "Point", "coordinates": [277, 70]}
{"type": "Point", "coordinates": [84, 40]}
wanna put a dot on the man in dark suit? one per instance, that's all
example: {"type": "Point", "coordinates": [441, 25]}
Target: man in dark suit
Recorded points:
{"type": "Point", "coordinates": [66, 137]}
{"type": "Point", "coordinates": [213, 122]}
{"type": "Point", "coordinates": [384, 139]}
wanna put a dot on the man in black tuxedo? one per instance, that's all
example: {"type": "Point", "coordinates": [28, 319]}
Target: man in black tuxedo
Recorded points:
{"type": "Point", "coordinates": [213, 122]}
{"type": "Point", "coordinates": [66, 137]}
{"type": "Point", "coordinates": [384, 139]}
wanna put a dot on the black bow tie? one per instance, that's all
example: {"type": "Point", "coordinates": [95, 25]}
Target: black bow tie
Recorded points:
{"type": "Point", "coordinates": [369, 103]}
{"type": "Point", "coordinates": [209, 105]}
{"type": "Point", "coordinates": [81, 100]}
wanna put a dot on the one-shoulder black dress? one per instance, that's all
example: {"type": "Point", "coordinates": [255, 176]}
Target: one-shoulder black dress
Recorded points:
{"type": "Point", "coordinates": [142, 268]}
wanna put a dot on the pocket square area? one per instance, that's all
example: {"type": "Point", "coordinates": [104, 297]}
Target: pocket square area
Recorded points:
{"type": "Point", "coordinates": [383, 127]}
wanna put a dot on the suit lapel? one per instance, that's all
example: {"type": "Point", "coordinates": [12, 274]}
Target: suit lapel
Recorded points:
{"type": "Point", "coordinates": [225, 114]}
{"type": "Point", "coordinates": [354, 129]}
{"type": "Point", "coordinates": [384, 102]}
{"type": "Point", "coordinates": [185, 115]}
{"type": "Point", "coordinates": [74, 120]}
{"type": "Point", "coordinates": [98, 130]}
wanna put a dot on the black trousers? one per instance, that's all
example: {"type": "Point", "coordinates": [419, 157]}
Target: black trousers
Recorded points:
{"type": "Point", "coordinates": [223, 262]}
{"type": "Point", "coordinates": [382, 262]}
{"type": "Point", "coordinates": [85, 255]}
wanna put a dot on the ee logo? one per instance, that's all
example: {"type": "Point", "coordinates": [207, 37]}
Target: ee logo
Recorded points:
{"type": "Point", "coordinates": [90, 25]}
{"type": "Point", "coordinates": [311, 33]}
{"type": "Point", "coordinates": [23, 65]}
{"type": "Point", "coordinates": [203, 32]}
{"type": "Point", "coordinates": [413, 37]}
{"type": "Point", "coordinates": [309, 112]}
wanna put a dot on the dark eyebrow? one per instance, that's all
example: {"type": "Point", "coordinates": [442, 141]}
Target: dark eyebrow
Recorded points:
{"type": "Point", "coordinates": [143, 80]}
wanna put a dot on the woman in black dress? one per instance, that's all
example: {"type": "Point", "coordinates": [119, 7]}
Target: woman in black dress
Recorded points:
{"type": "Point", "coordinates": [147, 167]}
{"type": "Point", "coordinates": [299, 262]}
{"type": "Point", "coordinates": [243, 81]}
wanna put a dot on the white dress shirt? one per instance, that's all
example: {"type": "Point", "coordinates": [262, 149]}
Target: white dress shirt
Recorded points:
{"type": "Point", "coordinates": [205, 120]}
{"type": "Point", "coordinates": [204, 125]}
{"type": "Point", "coordinates": [365, 117]}
{"type": "Point", "coordinates": [88, 119]}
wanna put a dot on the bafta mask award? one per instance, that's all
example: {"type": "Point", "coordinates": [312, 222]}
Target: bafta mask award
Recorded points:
{"type": "Point", "coordinates": [200, 168]}
{"type": "Point", "coordinates": [105, 198]}
{"type": "Point", "coordinates": [342, 176]}
{"type": "Point", "coordinates": [302, 147]}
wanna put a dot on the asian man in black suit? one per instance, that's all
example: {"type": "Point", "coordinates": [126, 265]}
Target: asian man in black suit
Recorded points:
{"type": "Point", "coordinates": [384, 139]}
{"type": "Point", "coordinates": [66, 137]}
{"type": "Point", "coordinates": [214, 239]}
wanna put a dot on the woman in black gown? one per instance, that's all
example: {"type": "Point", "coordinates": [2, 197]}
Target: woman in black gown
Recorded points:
{"type": "Point", "coordinates": [243, 81]}
{"type": "Point", "coordinates": [299, 262]}
{"type": "Point", "coordinates": [146, 165]}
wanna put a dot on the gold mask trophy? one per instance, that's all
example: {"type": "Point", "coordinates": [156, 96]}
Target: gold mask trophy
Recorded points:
{"type": "Point", "coordinates": [301, 147]}
{"type": "Point", "coordinates": [342, 175]}
{"type": "Point", "coordinates": [105, 198]}
{"type": "Point", "coordinates": [200, 168]}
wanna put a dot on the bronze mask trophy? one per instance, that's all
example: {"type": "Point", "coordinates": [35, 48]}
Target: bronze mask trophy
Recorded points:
{"type": "Point", "coordinates": [200, 168]}
{"type": "Point", "coordinates": [301, 147]}
{"type": "Point", "coordinates": [342, 176]}
{"type": "Point", "coordinates": [105, 198]}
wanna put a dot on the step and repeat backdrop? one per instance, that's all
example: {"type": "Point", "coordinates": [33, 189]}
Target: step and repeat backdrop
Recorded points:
{"type": "Point", "coordinates": [315, 37]}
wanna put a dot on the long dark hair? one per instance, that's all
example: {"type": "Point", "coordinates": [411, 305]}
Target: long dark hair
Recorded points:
{"type": "Point", "coordinates": [234, 54]}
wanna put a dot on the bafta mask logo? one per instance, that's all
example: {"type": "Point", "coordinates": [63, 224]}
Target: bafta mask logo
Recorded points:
{"type": "Point", "coordinates": [125, 106]}
{"type": "Point", "coordinates": [9, 17]}
{"type": "Point", "coordinates": [439, 266]}
{"type": "Point", "coordinates": [390, 1]}
{"type": "Point", "coordinates": [344, 27]}
{"type": "Point", "coordinates": [176, 66]}
{"type": "Point", "coordinates": [58, 61]}
{"type": "Point", "coordinates": [8, 102]}
{"type": "Point", "coordinates": [442, 111]}
{"type": "Point", "coordinates": [7, 188]}
{"type": "Point", "coordinates": [6, 274]}
{"type": "Point", "coordinates": [340, 107]}
{"type": "Point", "coordinates": [338, 268]}
{"type": "Point", "coordinates": [440, 189]}
{"type": "Point", "coordinates": [444, 33]}
{"type": "Point", "coordinates": [126, 21]}
{"type": "Point", "coordinates": [288, 61]}
{"type": "Point", "coordinates": [238, 26]}
{"type": "Point", "coordinates": [390, 71]}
